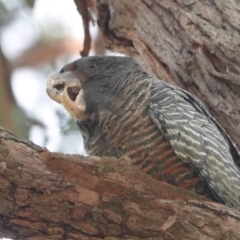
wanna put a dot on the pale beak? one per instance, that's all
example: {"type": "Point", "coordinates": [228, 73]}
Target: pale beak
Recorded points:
{"type": "Point", "coordinates": [66, 89]}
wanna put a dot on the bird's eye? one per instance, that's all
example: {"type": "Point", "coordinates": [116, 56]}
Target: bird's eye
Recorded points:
{"type": "Point", "coordinates": [92, 65]}
{"type": "Point", "coordinates": [62, 70]}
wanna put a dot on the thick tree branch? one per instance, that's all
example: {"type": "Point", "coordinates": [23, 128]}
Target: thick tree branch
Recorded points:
{"type": "Point", "coordinates": [48, 195]}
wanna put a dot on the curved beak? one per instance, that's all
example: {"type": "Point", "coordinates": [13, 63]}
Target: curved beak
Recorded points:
{"type": "Point", "coordinates": [58, 84]}
{"type": "Point", "coordinates": [66, 89]}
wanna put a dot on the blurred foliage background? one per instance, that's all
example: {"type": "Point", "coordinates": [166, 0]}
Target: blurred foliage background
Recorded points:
{"type": "Point", "coordinates": [37, 38]}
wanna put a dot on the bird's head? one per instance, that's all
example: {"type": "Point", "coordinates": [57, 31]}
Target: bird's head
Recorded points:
{"type": "Point", "coordinates": [90, 83]}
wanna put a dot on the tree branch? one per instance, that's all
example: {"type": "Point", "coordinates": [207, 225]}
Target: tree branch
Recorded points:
{"type": "Point", "coordinates": [48, 195]}
{"type": "Point", "coordinates": [83, 7]}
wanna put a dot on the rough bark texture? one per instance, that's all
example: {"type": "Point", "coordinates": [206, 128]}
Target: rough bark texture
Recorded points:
{"type": "Point", "coordinates": [193, 44]}
{"type": "Point", "coordinates": [47, 195]}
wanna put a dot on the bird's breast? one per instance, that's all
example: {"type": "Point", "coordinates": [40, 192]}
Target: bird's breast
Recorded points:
{"type": "Point", "coordinates": [135, 135]}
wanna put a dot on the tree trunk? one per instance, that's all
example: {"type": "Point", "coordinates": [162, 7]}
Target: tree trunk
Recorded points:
{"type": "Point", "coordinates": [193, 44]}
{"type": "Point", "coordinates": [47, 195]}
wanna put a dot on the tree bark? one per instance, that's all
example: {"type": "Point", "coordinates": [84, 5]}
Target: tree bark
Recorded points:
{"type": "Point", "coordinates": [48, 195]}
{"type": "Point", "coordinates": [193, 44]}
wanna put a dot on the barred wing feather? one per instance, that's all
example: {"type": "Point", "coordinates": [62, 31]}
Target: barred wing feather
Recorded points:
{"type": "Point", "coordinates": [197, 139]}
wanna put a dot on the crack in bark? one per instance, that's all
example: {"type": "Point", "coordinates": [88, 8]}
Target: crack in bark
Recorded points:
{"type": "Point", "coordinates": [103, 23]}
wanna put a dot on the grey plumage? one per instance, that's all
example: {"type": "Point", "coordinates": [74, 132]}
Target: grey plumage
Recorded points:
{"type": "Point", "coordinates": [165, 130]}
{"type": "Point", "coordinates": [196, 139]}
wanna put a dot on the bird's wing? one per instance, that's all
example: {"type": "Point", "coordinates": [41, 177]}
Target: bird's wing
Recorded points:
{"type": "Point", "coordinates": [197, 139]}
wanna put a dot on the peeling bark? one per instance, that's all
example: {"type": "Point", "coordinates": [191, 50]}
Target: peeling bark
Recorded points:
{"type": "Point", "coordinates": [193, 44]}
{"type": "Point", "coordinates": [48, 195]}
